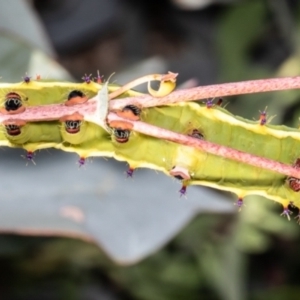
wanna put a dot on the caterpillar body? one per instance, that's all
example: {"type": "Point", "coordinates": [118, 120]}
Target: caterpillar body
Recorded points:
{"type": "Point", "coordinates": [193, 166]}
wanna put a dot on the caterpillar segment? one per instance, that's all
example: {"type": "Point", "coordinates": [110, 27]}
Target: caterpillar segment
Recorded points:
{"type": "Point", "coordinates": [90, 140]}
{"type": "Point", "coordinates": [219, 126]}
{"type": "Point", "coordinates": [38, 135]}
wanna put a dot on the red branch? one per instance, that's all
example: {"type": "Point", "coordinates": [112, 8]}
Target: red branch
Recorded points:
{"type": "Point", "coordinates": [212, 91]}
{"type": "Point", "coordinates": [50, 112]}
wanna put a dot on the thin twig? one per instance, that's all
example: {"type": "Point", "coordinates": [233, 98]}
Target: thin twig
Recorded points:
{"type": "Point", "coordinates": [209, 147]}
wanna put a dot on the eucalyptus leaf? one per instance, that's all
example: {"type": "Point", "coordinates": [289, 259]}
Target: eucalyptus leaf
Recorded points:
{"type": "Point", "coordinates": [128, 219]}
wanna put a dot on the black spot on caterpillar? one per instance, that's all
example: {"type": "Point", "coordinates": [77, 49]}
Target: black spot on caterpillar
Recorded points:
{"type": "Point", "coordinates": [220, 101]}
{"type": "Point", "coordinates": [196, 134]}
{"type": "Point", "coordinates": [72, 126]}
{"type": "Point", "coordinates": [121, 135]}
{"type": "Point", "coordinates": [75, 94]}
{"type": "Point", "coordinates": [134, 109]}
{"type": "Point", "coordinates": [13, 101]}
{"type": "Point", "coordinates": [12, 129]}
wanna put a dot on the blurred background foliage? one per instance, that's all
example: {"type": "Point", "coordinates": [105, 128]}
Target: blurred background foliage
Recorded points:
{"type": "Point", "coordinates": [218, 254]}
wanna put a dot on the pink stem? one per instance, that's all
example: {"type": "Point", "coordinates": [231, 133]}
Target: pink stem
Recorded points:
{"type": "Point", "coordinates": [51, 112]}
{"type": "Point", "coordinates": [212, 91]}
{"type": "Point", "coordinates": [209, 147]}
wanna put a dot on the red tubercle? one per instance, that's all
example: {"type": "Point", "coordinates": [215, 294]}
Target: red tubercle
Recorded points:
{"type": "Point", "coordinates": [209, 103]}
{"type": "Point", "coordinates": [183, 189]}
{"type": "Point", "coordinates": [124, 125]}
{"type": "Point", "coordinates": [293, 182]}
{"type": "Point", "coordinates": [286, 212]}
{"type": "Point", "coordinates": [29, 156]}
{"type": "Point", "coordinates": [81, 161]}
{"type": "Point", "coordinates": [129, 172]}
{"type": "Point", "coordinates": [26, 78]}
{"type": "Point", "coordinates": [239, 203]}
{"type": "Point", "coordinates": [87, 78]}
{"type": "Point", "coordinates": [263, 117]}
{"type": "Point", "coordinates": [99, 78]}
{"type": "Point", "coordinates": [127, 114]}
{"type": "Point", "coordinates": [76, 97]}
{"type": "Point", "coordinates": [17, 122]}
{"type": "Point", "coordinates": [71, 117]}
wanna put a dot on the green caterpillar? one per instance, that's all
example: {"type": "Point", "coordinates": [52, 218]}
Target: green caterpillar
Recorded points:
{"type": "Point", "coordinates": [207, 121]}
